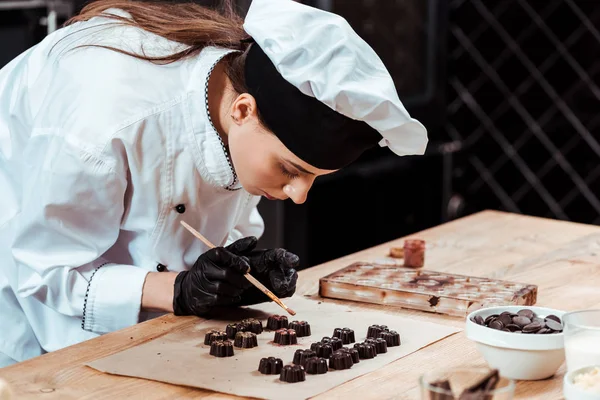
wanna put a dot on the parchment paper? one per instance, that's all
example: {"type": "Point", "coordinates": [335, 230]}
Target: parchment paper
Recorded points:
{"type": "Point", "coordinates": [181, 357]}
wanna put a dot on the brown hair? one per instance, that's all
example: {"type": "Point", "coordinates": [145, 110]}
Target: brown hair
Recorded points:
{"type": "Point", "coordinates": [190, 24]}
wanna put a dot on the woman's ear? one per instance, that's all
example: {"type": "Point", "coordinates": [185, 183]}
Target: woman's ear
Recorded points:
{"type": "Point", "coordinates": [244, 109]}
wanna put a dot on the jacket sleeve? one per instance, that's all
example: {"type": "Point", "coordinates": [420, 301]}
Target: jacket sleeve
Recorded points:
{"type": "Point", "coordinates": [250, 222]}
{"type": "Point", "coordinates": [71, 210]}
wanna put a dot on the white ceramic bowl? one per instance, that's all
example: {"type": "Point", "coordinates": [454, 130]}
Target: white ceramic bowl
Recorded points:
{"type": "Point", "coordinates": [572, 392]}
{"type": "Point", "coordinates": [518, 356]}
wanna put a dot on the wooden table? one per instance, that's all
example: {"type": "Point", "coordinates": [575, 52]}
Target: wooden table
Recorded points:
{"type": "Point", "coordinates": [563, 258]}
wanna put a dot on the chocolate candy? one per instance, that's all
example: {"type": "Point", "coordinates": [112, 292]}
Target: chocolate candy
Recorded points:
{"type": "Point", "coordinates": [353, 353]}
{"type": "Point", "coordinates": [379, 343]}
{"type": "Point", "coordinates": [324, 350]}
{"type": "Point", "coordinates": [302, 328]}
{"type": "Point", "coordinates": [270, 366]}
{"type": "Point", "coordinates": [232, 329]}
{"type": "Point", "coordinates": [366, 350]}
{"type": "Point", "coordinates": [302, 355]}
{"type": "Point", "coordinates": [292, 374]}
{"type": "Point", "coordinates": [221, 348]}
{"type": "Point", "coordinates": [375, 330]}
{"type": "Point", "coordinates": [524, 321]}
{"type": "Point", "coordinates": [392, 338]}
{"type": "Point", "coordinates": [253, 325]}
{"type": "Point", "coordinates": [275, 322]}
{"type": "Point", "coordinates": [335, 342]}
{"type": "Point", "coordinates": [285, 337]}
{"type": "Point", "coordinates": [245, 340]}
{"type": "Point", "coordinates": [346, 334]}
{"type": "Point", "coordinates": [315, 366]}
{"type": "Point", "coordinates": [340, 360]}
{"type": "Point", "coordinates": [213, 335]}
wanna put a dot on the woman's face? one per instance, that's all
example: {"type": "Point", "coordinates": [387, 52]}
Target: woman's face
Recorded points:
{"type": "Point", "coordinates": [264, 166]}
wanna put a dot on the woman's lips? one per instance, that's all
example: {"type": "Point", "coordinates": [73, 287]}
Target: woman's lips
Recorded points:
{"type": "Point", "coordinates": [265, 194]}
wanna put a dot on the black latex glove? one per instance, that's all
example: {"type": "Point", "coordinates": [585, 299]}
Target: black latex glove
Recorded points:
{"type": "Point", "coordinates": [274, 268]}
{"type": "Point", "coordinates": [216, 279]}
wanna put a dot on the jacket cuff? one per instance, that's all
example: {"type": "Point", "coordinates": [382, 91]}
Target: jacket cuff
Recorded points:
{"type": "Point", "coordinates": [113, 298]}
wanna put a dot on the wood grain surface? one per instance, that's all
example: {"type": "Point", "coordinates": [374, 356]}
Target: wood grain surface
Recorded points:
{"type": "Point", "coordinates": [562, 258]}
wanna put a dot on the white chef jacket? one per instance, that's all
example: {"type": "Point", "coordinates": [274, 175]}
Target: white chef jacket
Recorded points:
{"type": "Point", "coordinates": [97, 150]}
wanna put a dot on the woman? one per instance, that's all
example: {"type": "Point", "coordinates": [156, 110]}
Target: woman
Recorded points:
{"type": "Point", "coordinates": [136, 116]}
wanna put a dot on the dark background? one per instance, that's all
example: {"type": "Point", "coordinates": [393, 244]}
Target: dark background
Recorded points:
{"type": "Point", "coordinates": [509, 92]}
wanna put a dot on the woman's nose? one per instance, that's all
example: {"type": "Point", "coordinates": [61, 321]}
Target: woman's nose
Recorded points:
{"type": "Point", "coordinates": [297, 191]}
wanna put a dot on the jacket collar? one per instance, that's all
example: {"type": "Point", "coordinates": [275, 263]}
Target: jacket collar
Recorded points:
{"type": "Point", "coordinates": [210, 156]}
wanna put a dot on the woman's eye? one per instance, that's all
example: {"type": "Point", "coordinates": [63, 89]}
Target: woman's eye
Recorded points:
{"type": "Point", "coordinates": [287, 173]}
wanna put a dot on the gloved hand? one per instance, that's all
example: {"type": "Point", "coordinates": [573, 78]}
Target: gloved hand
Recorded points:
{"type": "Point", "coordinates": [216, 279]}
{"type": "Point", "coordinates": [274, 268]}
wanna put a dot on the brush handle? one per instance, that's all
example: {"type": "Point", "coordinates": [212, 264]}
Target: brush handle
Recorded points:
{"type": "Point", "coordinates": [252, 279]}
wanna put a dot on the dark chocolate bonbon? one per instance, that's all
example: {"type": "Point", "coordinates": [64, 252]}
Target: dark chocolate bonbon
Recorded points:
{"type": "Point", "coordinates": [285, 337]}
{"type": "Point", "coordinates": [324, 350]}
{"type": "Point", "coordinates": [346, 334]}
{"type": "Point", "coordinates": [245, 340]}
{"type": "Point", "coordinates": [392, 338]}
{"type": "Point", "coordinates": [221, 348]}
{"type": "Point", "coordinates": [275, 322]}
{"type": "Point", "coordinates": [316, 366]}
{"type": "Point", "coordinates": [214, 334]}
{"type": "Point", "coordinates": [292, 374]}
{"type": "Point", "coordinates": [302, 328]}
{"type": "Point", "coordinates": [340, 360]}
{"type": "Point", "coordinates": [353, 353]}
{"type": "Point", "coordinates": [302, 355]}
{"type": "Point", "coordinates": [335, 342]}
{"type": "Point", "coordinates": [374, 330]}
{"type": "Point", "coordinates": [253, 325]}
{"type": "Point", "coordinates": [270, 366]}
{"type": "Point", "coordinates": [365, 350]}
{"type": "Point", "coordinates": [234, 328]}
{"type": "Point", "coordinates": [379, 343]}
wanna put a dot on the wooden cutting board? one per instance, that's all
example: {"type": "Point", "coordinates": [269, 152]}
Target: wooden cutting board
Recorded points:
{"type": "Point", "coordinates": [424, 290]}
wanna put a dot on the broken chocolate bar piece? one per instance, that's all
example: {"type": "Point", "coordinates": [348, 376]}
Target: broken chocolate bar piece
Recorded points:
{"type": "Point", "coordinates": [245, 340]}
{"type": "Point", "coordinates": [232, 329]}
{"type": "Point", "coordinates": [379, 343]}
{"type": "Point", "coordinates": [366, 350]}
{"type": "Point", "coordinates": [374, 330]}
{"type": "Point", "coordinates": [392, 338]}
{"type": "Point", "coordinates": [443, 385]}
{"type": "Point", "coordinates": [481, 389]}
{"type": "Point", "coordinates": [340, 360]}
{"type": "Point", "coordinates": [221, 348]}
{"type": "Point", "coordinates": [302, 355]}
{"type": "Point", "coordinates": [302, 328]}
{"type": "Point", "coordinates": [285, 337]}
{"type": "Point", "coordinates": [292, 374]}
{"type": "Point", "coordinates": [213, 335]}
{"type": "Point", "coordinates": [324, 350]}
{"type": "Point", "coordinates": [270, 366]}
{"type": "Point", "coordinates": [335, 342]}
{"type": "Point", "coordinates": [275, 322]}
{"type": "Point", "coordinates": [315, 366]}
{"type": "Point", "coordinates": [253, 325]}
{"type": "Point", "coordinates": [346, 334]}
{"type": "Point", "coordinates": [353, 353]}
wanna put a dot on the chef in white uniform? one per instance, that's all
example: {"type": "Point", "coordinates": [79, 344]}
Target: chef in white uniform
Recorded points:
{"type": "Point", "coordinates": [103, 153]}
